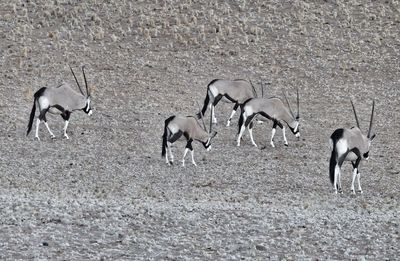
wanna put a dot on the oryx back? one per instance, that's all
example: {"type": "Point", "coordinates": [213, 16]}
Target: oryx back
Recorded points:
{"type": "Point", "coordinates": [237, 90]}
{"type": "Point", "coordinates": [271, 108]}
{"type": "Point", "coordinates": [189, 126]}
{"type": "Point", "coordinates": [62, 96]}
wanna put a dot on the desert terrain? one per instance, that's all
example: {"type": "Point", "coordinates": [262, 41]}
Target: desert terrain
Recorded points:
{"type": "Point", "coordinates": [106, 193]}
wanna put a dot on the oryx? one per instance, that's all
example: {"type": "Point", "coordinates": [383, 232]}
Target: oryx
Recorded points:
{"type": "Point", "coordinates": [235, 91]}
{"type": "Point", "coordinates": [189, 127]}
{"type": "Point", "coordinates": [270, 108]}
{"type": "Point", "coordinates": [59, 100]}
{"type": "Point", "coordinates": [349, 145]}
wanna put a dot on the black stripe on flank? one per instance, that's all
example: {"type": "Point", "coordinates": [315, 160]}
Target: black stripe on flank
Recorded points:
{"type": "Point", "coordinates": [213, 81]}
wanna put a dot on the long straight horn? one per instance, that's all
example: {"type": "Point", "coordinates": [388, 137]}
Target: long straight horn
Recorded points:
{"type": "Point", "coordinates": [254, 89]}
{"type": "Point", "coordinates": [262, 88]}
{"type": "Point", "coordinates": [355, 113]}
{"type": "Point", "coordinates": [84, 77]}
{"type": "Point", "coordinates": [76, 80]}
{"type": "Point", "coordinates": [298, 104]}
{"type": "Point", "coordinates": [372, 119]}
{"type": "Point", "coordinates": [210, 123]}
{"type": "Point", "coordinates": [202, 118]}
{"type": "Point", "coordinates": [287, 101]}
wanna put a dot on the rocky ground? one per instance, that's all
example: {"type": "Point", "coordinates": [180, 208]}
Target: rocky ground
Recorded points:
{"type": "Point", "coordinates": [107, 194]}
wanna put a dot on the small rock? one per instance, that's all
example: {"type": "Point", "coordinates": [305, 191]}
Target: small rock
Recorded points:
{"type": "Point", "coordinates": [261, 248]}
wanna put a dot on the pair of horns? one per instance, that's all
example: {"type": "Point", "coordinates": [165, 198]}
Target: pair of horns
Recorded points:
{"type": "Point", "coordinates": [298, 104]}
{"type": "Point", "coordinates": [84, 77]}
{"type": "Point", "coordinates": [254, 89]}
{"type": "Point", "coordinates": [371, 120]}
{"type": "Point", "coordinates": [202, 119]}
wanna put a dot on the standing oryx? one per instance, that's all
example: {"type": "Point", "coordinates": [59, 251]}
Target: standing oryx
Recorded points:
{"type": "Point", "coordinates": [189, 127]}
{"type": "Point", "coordinates": [59, 100]}
{"type": "Point", "coordinates": [270, 108]}
{"type": "Point", "coordinates": [349, 145]}
{"type": "Point", "coordinates": [235, 91]}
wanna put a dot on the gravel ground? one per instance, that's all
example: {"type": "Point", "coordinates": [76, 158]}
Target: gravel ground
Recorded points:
{"type": "Point", "coordinates": [107, 194]}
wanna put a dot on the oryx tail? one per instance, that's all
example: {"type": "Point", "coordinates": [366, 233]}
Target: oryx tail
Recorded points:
{"type": "Point", "coordinates": [241, 117]}
{"type": "Point", "coordinates": [165, 136]}
{"type": "Point", "coordinates": [335, 137]}
{"type": "Point", "coordinates": [207, 99]}
{"type": "Point", "coordinates": [32, 115]}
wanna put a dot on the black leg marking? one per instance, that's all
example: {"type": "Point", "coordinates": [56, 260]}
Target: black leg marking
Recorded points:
{"type": "Point", "coordinates": [66, 115]}
{"type": "Point", "coordinates": [217, 99]}
{"type": "Point", "coordinates": [249, 119]}
{"type": "Point", "coordinates": [42, 115]}
{"type": "Point", "coordinates": [231, 99]}
{"type": "Point", "coordinates": [175, 137]}
{"type": "Point", "coordinates": [236, 106]}
{"type": "Point", "coordinates": [189, 144]}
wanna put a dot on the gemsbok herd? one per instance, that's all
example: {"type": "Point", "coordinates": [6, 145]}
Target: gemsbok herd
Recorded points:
{"type": "Point", "coordinates": [347, 144]}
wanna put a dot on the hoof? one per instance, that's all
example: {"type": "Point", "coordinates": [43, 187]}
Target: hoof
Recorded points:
{"type": "Point", "coordinates": [53, 137]}
{"type": "Point", "coordinates": [66, 136]}
{"type": "Point", "coordinates": [360, 191]}
{"type": "Point", "coordinates": [287, 145]}
{"type": "Point", "coordinates": [37, 138]}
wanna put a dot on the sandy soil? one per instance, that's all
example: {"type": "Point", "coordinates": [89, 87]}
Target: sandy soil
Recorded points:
{"type": "Point", "coordinates": [107, 194]}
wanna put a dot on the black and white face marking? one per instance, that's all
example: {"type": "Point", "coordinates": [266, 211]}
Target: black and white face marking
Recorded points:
{"type": "Point", "coordinates": [296, 130]}
{"type": "Point", "coordinates": [88, 110]}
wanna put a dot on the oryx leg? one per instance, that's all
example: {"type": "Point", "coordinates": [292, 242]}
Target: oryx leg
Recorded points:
{"type": "Point", "coordinates": [273, 133]}
{"type": "Point", "coordinates": [250, 128]}
{"type": "Point", "coordinates": [284, 136]}
{"type": "Point", "coordinates": [42, 117]}
{"type": "Point", "coordinates": [174, 137]}
{"type": "Point", "coordinates": [359, 182]}
{"type": "Point", "coordinates": [356, 172]}
{"type": "Point", "coordinates": [233, 113]}
{"type": "Point", "coordinates": [337, 181]}
{"type": "Point", "coordinates": [66, 115]}
{"type": "Point", "coordinates": [242, 129]}
{"type": "Point", "coordinates": [37, 129]}
{"type": "Point", "coordinates": [187, 148]}
{"type": "Point", "coordinates": [215, 102]}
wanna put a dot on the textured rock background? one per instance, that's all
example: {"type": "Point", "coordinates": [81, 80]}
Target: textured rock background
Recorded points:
{"type": "Point", "coordinates": [106, 193]}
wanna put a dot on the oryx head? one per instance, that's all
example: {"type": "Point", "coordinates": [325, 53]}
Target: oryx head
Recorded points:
{"type": "Point", "coordinates": [87, 109]}
{"type": "Point", "coordinates": [296, 118]}
{"type": "Point", "coordinates": [211, 133]}
{"type": "Point", "coordinates": [370, 134]}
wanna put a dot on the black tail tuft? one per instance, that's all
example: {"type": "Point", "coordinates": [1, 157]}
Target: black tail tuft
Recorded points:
{"type": "Point", "coordinates": [205, 105]}
{"type": "Point", "coordinates": [165, 134]}
{"type": "Point", "coordinates": [32, 115]}
{"type": "Point", "coordinates": [332, 165]}
{"type": "Point", "coordinates": [241, 117]}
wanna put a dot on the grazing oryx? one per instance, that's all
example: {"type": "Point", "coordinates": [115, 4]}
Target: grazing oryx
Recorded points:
{"type": "Point", "coordinates": [189, 127]}
{"type": "Point", "coordinates": [236, 91]}
{"type": "Point", "coordinates": [59, 100]}
{"type": "Point", "coordinates": [270, 108]}
{"type": "Point", "coordinates": [349, 145]}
